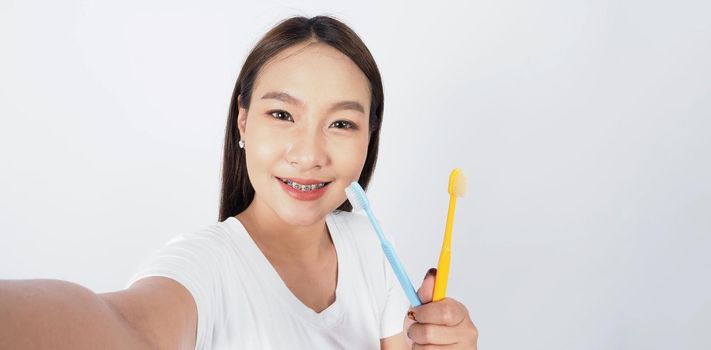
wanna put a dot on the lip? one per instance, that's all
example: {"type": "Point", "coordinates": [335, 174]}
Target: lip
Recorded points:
{"type": "Point", "coordinates": [303, 196]}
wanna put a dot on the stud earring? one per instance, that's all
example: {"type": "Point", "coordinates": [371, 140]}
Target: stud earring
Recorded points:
{"type": "Point", "coordinates": [241, 143]}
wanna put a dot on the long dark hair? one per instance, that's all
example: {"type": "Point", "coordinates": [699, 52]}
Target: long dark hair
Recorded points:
{"type": "Point", "coordinates": [237, 191]}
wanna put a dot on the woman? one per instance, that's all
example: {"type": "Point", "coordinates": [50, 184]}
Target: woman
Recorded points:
{"type": "Point", "coordinates": [288, 265]}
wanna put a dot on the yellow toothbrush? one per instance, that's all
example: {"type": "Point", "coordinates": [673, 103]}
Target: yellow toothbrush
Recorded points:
{"type": "Point", "coordinates": [457, 188]}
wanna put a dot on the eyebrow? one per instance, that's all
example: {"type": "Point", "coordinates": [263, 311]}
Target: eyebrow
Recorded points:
{"type": "Point", "coordinates": [343, 105]}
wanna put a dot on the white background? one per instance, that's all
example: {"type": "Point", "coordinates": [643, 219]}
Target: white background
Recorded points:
{"type": "Point", "coordinates": [584, 128]}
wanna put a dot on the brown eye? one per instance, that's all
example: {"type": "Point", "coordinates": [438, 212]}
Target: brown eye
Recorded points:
{"type": "Point", "coordinates": [282, 115]}
{"type": "Point", "coordinates": [342, 124]}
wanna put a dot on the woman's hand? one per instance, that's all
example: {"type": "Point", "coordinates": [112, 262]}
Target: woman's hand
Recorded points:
{"type": "Point", "coordinates": [443, 324]}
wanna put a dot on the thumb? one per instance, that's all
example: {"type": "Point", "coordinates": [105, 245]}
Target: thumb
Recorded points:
{"type": "Point", "coordinates": [427, 287]}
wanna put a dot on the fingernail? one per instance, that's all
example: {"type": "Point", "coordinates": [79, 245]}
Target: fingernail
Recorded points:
{"type": "Point", "coordinates": [411, 315]}
{"type": "Point", "coordinates": [431, 272]}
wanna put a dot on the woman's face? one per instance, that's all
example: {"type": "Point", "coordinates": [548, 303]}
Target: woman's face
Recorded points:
{"type": "Point", "coordinates": [307, 125]}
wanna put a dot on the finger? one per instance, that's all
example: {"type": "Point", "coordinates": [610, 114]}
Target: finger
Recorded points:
{"type": "Point", "coordinates": [422, 333]}
{"type": "Point", "coordinates": [446, 312]}
{"type": "Point", "coordinates": [427, 287]}
{"type": "Point", "coordinates": [406, 325]}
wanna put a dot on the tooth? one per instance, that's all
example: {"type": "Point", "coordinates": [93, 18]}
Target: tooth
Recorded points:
{"type": "Point", "coordinates": [303, 188]}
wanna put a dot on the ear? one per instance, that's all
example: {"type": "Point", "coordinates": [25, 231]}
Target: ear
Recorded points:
{"type": "Point", "coordinates": [241, 118]}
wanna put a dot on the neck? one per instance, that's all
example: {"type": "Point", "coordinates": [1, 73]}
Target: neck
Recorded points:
{"type": "Point", "coordinates": [280, 240]}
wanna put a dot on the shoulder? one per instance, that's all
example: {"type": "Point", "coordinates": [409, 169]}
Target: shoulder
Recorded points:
{"type": "Point", "coordinates": [189, 272]}
{"type": "Point", "coordinates": [210, 234]}
{"type": "Point", "coordinates": [208, 242]}
{"type": "Point", "coordinates": [192, 256]}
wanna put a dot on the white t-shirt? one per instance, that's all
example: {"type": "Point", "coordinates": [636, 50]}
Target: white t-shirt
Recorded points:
{"type": "Point", "coordinates": [242, 303]}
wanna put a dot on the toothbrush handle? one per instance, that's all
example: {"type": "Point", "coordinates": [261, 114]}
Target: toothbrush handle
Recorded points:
{"type": "Point", "coordinates": [440, 287]}
{"type": "Point", "coordinates": [401, 274]}
{"type": "Point", "coordinates": [394, 261]}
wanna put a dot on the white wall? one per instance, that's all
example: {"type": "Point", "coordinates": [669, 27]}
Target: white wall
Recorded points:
{"type": "Point", "coordinates": [583, 127]}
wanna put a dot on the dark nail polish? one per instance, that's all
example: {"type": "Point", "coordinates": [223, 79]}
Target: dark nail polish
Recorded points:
{"type": "Point", "coordinates": [431, 272]}
{"type": "Point", "coordinates": [411, 315]}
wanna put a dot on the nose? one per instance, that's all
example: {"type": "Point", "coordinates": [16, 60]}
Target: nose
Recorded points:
{"type": "Point", "coordinates": [307, 150]}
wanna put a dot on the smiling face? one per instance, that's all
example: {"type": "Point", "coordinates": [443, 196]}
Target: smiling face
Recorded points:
{"type": "Point", "coordinates": [307, 125]}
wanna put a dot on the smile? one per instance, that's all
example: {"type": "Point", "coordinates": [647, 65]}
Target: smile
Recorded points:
{"type": "Point", "coordinates": [303, 187]}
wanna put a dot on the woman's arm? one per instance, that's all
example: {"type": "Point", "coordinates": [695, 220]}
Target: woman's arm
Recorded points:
{"type": "Point", "coordinates": [154, 313]}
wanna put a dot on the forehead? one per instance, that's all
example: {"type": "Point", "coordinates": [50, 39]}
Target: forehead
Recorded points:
{"type": "Point", "coordinates": [315, 73]}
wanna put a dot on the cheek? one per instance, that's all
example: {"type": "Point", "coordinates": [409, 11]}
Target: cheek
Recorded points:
{"type": "Point", "coordinates": [262, 153]}
{"type": "Point", "coordinates": [352, 159]}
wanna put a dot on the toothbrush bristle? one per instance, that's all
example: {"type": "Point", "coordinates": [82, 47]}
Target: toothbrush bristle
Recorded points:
{"type": "Point", "coordinates": [356, 196]}
{"type": "Point", "coordinates": [457, 183]}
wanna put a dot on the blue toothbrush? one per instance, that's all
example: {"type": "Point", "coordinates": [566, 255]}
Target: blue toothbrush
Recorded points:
{"type": "Point", "coordinates": [359, 201]}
